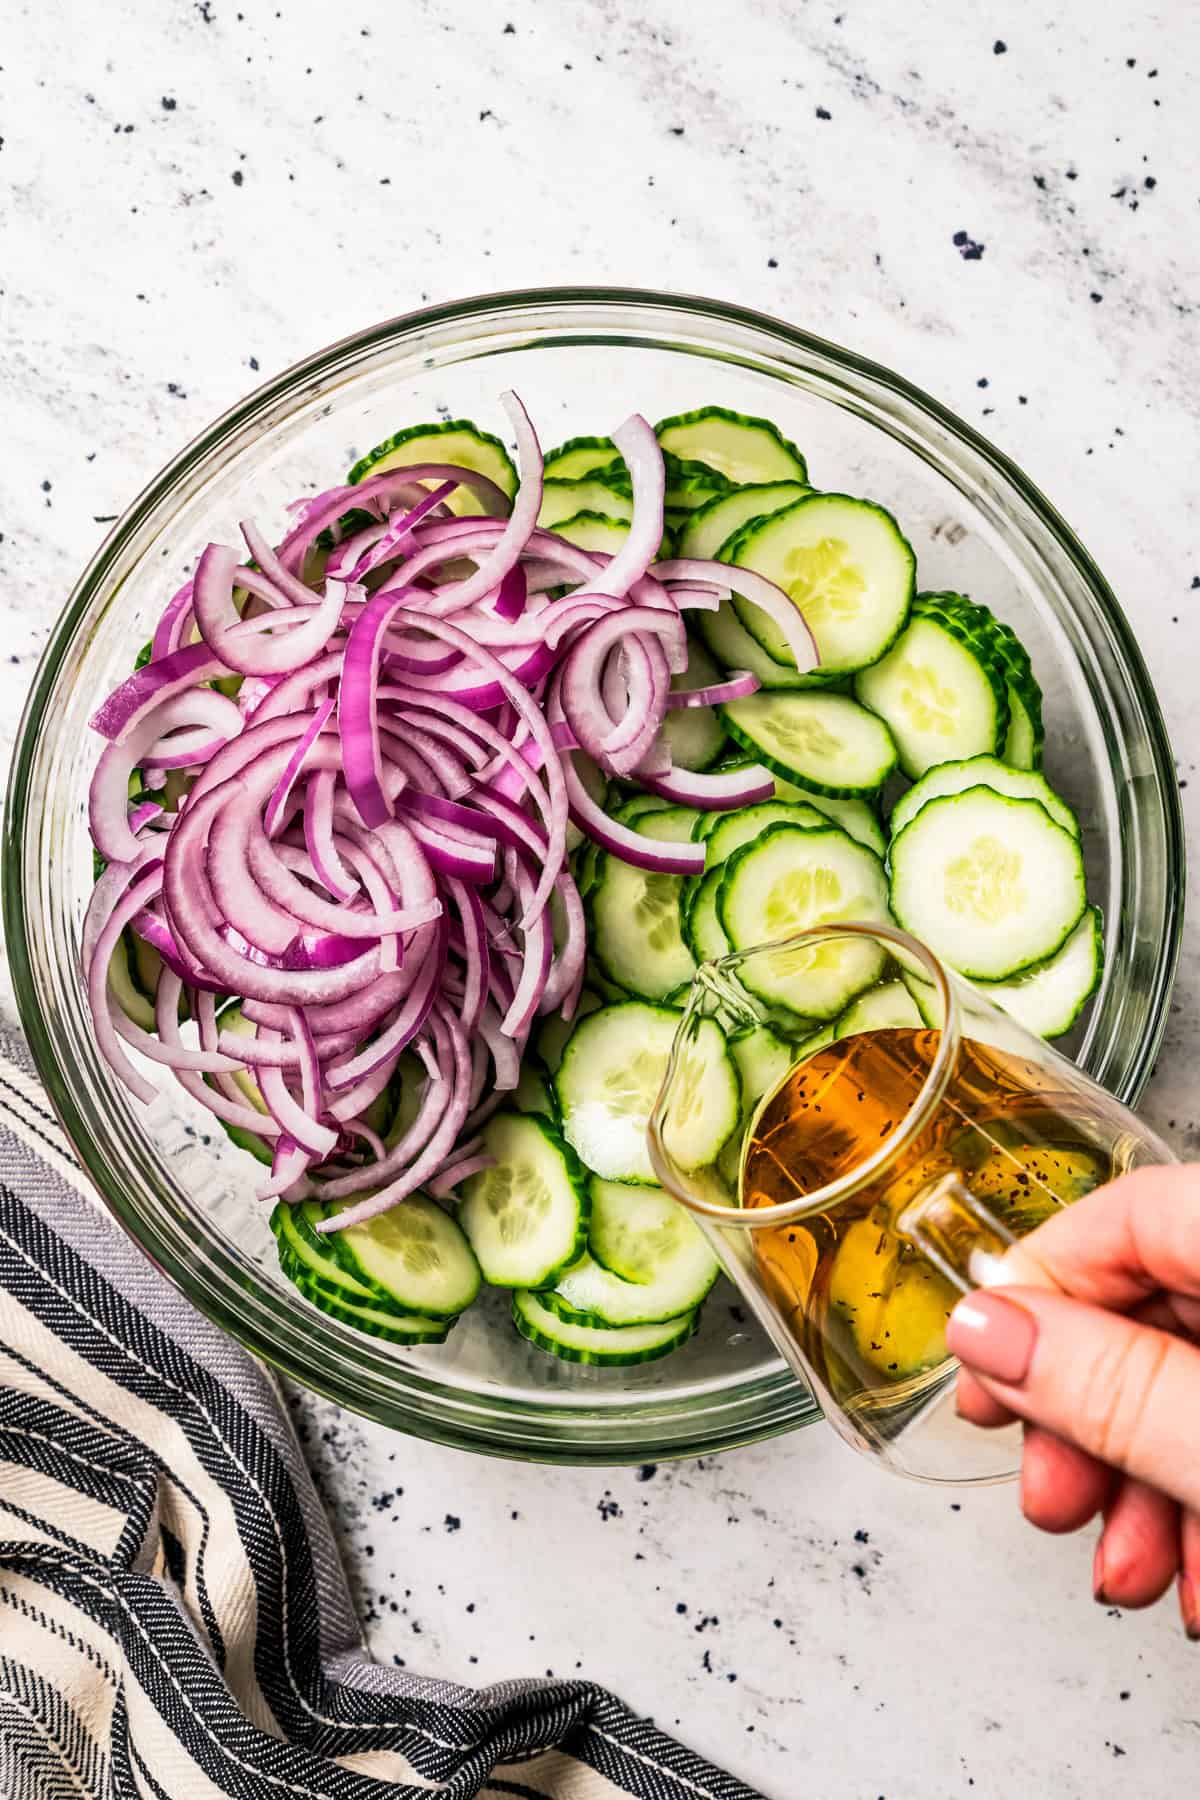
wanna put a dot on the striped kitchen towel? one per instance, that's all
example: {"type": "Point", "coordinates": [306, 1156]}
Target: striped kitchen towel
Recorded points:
{"type": "Point", "coordinates": [174, 1620]}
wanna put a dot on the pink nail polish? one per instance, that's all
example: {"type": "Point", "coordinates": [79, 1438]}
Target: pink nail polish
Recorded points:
{"type": "Point", "coordinates": [1098, 1593]}
{"type": "Point", "coordinates": [992, 1335]}
{"type": "Point", "coordinates": [1189, 1606]}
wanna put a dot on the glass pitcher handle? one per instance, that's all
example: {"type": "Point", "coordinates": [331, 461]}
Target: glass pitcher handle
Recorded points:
{"type": "Point", "coordinates": [958, 1235]}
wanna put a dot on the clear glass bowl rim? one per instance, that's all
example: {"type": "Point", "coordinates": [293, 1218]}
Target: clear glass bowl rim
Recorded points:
{"type": "Point", "coordinates": [706, 1418]}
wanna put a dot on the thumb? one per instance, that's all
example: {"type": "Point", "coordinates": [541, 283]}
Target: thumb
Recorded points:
{"type": "Point", "coordinates": [1124, 1391]}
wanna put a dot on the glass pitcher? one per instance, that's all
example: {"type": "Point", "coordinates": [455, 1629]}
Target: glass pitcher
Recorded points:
{"type": "Point", "coordinates": [879, 1167]}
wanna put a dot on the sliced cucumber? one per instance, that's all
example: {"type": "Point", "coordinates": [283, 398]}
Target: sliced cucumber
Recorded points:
{"type": "Point", "coordinates": [734, 648]}
{"type": "Point", "coordinates": [816, 1040]}
{"type": "Point", "coordinates": [1026, 734]}
{"type": "Point", "coordinates": [887, 1007]}
{"type": "Point", "coordinates": [594, 531]}
{"type": "Point", "coordinates": [763, 1058]}
{"type": "Point", "coordinates": [991, 885]}
{"type": "Point", "coordinates": [598, 1345]}
{"type": "Point", "coordinates": [533, 1093]}
{"type": "Point", "coordinates": [690, 484]}
{"type": "Point", "coordinates": [941, 692]}
{"type": "Point", "coordinates": [579, 456]}
{"type": "Point", "coordinates": [294, 1234]}
{"type": "Point", "coordinates": [733, 829]}
{"type": "Point", "coordinates": [122, 986]}
{"type": "Point", "coordinates": [694, 735]}
{"type": "Point", "coordinates": [824, 743]}
{"type": "Point", "coordinates": [641, 1235]}
{"type": "Point", "coordinates": [1051, 997]}
{"type": "Point", "coordinates": [603, 493]}
{"type": "Point", "coordinates": [456, 441]}
{"type": "Point", "coordinates": [857, 817]}
{"type": "Point", "coordinates": [376, 1321]}
{"type": "Point", "coordinates": [610, 1078]}
{"type": "Point", "coordinates": [680, 1267]}
{"type": "Point", "coordinates": [702, 929]}
{"type": "Point", "coordinates": [981, 771]}
{"type": "Point", "coordinates": [527, 1216]}
{"type": "Point", "coordinates": [634, 914]}
{"type": "Point", "coordinates": [846, 565]}
{"type": "Point", "coordinates": [416, 1253]}
{"type": "Point", "coordinates": [743, 449]}
{"type": "Point", "coordinates": [712, 525]}
{"type": "Point", "coordinates": [790, 879]}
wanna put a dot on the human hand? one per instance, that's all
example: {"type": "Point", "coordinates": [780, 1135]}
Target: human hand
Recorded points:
{"type": "Point", "coordinates": [1095, 1348]}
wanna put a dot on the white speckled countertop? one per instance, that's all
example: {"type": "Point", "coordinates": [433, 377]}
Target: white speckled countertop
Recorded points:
{"type": "Point", "coordinates": [999, 201]}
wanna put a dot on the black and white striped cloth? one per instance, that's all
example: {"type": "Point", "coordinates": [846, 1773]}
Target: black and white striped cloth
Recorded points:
{"type": "Point", "coordinates": [174, 1620]}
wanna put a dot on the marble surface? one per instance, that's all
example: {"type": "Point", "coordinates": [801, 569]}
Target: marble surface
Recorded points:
{"type": "Point", "coordinates": [999, 201]}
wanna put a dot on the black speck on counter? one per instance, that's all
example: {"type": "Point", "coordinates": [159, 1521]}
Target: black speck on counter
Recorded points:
{"type": "Point", "coordinates": [772, 262]}
{"type": "Point", "coordinates": [204, 8]}
{"type": "Point", "coordinates": [676, 130]}
{"type": "Point", "coordinates": [982, 382]}
{"type": "Point", "coordinates": [681, 1606]}
{"type": "Point", "coordinates": [607, 1507]}
{"type": "Point", "coordinates": [862, 1537]}
{"type": "Point", "coordinates": [1150, 182]}
{"type": "Point", "coordinates": [823, 113]}
{"type": "Point", "coordinates": [1095, 297]}
{"type": "Point", "coordinates": [968, 248]}
{"type": "Point", "coordinates": [168, 103]}
{"type": "Point", "coordinates": [1072, 174]}
{"type": "Point", "coordinates": [487, 113]}
{"type": "Point", "coordinates": [515, 1515]}
{"type": "Point", "coordinates": [452, 1523]}
{"type": "Point", "coordinates": [253, 361]}
{"type": "Point", "coordinates": [706, 1662]}
{"type": "Point", "coordinates": [956, 1506]}
{"type": "Point", "coordinates": [46, 487]}
{"type": "Point", "coordinates": [510, 30]}
{"type": "Point", "coordinates": [237, 178]}
{"type": "Point", "coordinates": [1124, 1694]}
{"type": "Point", "coordinates": [999, 47]}
{"type": "Point", "coordinates": [1039, 181]}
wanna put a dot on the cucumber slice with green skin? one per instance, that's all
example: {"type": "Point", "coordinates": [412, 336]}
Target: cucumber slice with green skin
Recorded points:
{"type": "Point", "coordinates": [817, 1040]}
{"type": "Point", "coordinates": [609, 991]}
{"type": "Point", "coordinates": [690, 484]}
{"type": "Point", "coordinates": [308, 1253]}
{"type": "Point", "coordinates": [823, 743]}
{"type": "Point", "coordinates": [856, 817]}
{"type": "Point", "coordinates": [416, 1253]}
{"type": "Point", "coordinates": [734, 648]}
{"type": "Point", "coordinates": [789, 879]}
{"type": "Point", "coordinates": [991, 885]}
{"type": "Point", "coordinates": [1049, 1000]}
{"type": "Point", "coordinates": [742, 448]}
{"type": "Point", "coordinates": [702, 929]}
{"type": "Point", "coordinates": [941, 693]}
{"type": "Point", "coordinates": [887, 1007]}
{"type": "Point", "coordinates": [611, 495]}
{"type": "Point", "coordinates": [694, 735]}
{"type": "Point", "coordinates": [763, 1058]}
{"type": "Point", "coordinates": [554, 1034]}
{"type": "Point", "coordinates": [533, 1093]}
{"type": "Point", "coordinates": [729, 831]}
{"type": "Point", "coordinates": [639, 1233]}
{"type": "Point", "coordinates": [1023, 743]}
{"type": "Point", "coordinates": [124, 989]}
{"type": "Point", "coordinates": [527, 1216]}
{"type": "Point", "coordinates": [680, 1271]}
{"type": "Point", "coordinates": [594, 531]}
{"type": "Point", "coordinates": [579, 456]}
{"type": "Point", "coordinates": [457, 441]}
{"type": "Point", "coordinates": [597, 1345]}
{"type": "Point", "coordinates": [1026, 732]}
{"type": "Point", "coordinates": [633, 915]}
{"type": "Point", "coordinates": [637, 804]}
{"type": "Point", "coordinates": [610, 1078]}
{"type": "Point", "coordinates": [981, 771]}
{"type": "Point", "coordinates": [376, 1321]}
{"type": "Point", "coordinates": [711, 526]}
{"type": "Point", "coordinates": [846, 565]}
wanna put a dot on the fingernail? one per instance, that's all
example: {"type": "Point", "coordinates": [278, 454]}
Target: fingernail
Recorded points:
{"type": "Point", "coordinates": [993, 1335]}
{"type": "Point", "coordinates": [1098, 1593]}
{"type": "Point", "coordinates": [1189, 1606]}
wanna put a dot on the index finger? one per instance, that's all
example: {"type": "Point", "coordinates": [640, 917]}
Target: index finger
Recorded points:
{"type": "Point", "coordinates": [1125, 1241]}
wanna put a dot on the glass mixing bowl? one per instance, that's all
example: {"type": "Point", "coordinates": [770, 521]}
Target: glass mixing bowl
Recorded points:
{"type": "Point", "coordinates": [581, 360]}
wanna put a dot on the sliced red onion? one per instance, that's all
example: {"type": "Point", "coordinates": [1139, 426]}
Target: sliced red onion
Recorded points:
{"type": "Point", "coordinates": [458, 1171]}
{"type": "Point", "coordinates": [638, 445]}
{"type": "Point", "coordinates": [108, 796]}
{"type": "Point", "coordinates": [171, 627]}
{"type": "Point", "coordinates": [407, 1023]}
{"type": "Point", "coordinates": [324, 510]}
{"type": "Point", "coordinates": [513, 593]}
{"type": "Point", "coordinates": [137, 893]}
{"type": "Point", "coordinates": [318, 835]}
{"type": "Point", "coordinates": [642, 852]}
{"type": "Point", "coordinates": [716, 792]}
{"type": "Point", "coordinates": [734, 687]}
{"type": "Point", "coordinates": [778, 606]}
{"type": "Point", "coordinates": [152, 685]}
{"type": "Point", "coordinates": [292, 1116]}
{"type": "Point", "coordinates": [354, 559]}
